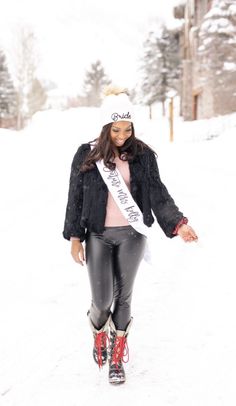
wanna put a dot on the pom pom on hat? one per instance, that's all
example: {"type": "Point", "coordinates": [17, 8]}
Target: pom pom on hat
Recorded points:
{"type": "Point", "coordinates": [116, 106]}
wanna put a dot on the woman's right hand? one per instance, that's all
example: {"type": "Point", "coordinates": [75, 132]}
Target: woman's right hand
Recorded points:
{"type": "Point", "coordinates": [77, 252]}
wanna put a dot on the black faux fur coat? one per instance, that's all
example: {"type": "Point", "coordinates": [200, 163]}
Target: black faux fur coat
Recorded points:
{"type": "Point", "coordinates": [87, 197]}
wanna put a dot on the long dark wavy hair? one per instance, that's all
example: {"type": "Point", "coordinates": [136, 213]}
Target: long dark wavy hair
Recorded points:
{"type": "Point", "coordinates": [104, 149]}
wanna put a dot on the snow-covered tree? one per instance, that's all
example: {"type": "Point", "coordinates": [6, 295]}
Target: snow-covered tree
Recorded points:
{"type": "Point", "coordinates": [25, 59]}
{"type": "Point", "coordinates": [160, 67]}
{"type": "Point", "coordinates": [148, 91]}
{"type": "Point", "coordinates": [94, 82]}
{"type": "Point", "coordinates": [217, 49]}
{"type": "Point", "coordinates": [8, 96]}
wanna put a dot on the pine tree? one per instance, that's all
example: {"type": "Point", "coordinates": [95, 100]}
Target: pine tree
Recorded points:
{"type": "Point", "coordinates": [217, 50]}
{"type": "Point", "coordinates": [94, 82]}
{"type": "Point", "coordinates": [160, 67]}
{"type": "Point", "coordinates": [150, 71]}
{"type": "Point", "coordinates": [8, 95]}
{"type": "Point", "coordinates": [218, 32]}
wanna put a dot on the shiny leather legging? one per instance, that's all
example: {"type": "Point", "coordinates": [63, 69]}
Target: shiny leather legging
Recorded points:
{"type": "Point", "coordinates": [113, 258]}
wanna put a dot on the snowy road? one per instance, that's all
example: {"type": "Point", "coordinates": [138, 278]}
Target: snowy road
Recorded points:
{"type": "Point", "coordinates": [182, 343]}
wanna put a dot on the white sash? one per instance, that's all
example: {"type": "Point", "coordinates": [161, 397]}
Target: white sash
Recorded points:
{"type": "Point", "coordinates": [123, 198]}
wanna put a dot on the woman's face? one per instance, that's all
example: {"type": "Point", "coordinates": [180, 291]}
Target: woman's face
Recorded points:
{"type": "Point", "coordinates": [120, 132]}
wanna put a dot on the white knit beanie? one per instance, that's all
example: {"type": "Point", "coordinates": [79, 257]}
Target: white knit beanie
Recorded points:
{"type": "Point", "coordinates": [116, 107]}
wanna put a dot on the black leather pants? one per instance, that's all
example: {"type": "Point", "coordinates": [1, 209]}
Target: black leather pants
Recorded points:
{"type": "Point", "coordinates": [113, 258]}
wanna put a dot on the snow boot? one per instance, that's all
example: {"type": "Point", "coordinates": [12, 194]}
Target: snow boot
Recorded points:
{"type": "Point", "coordinates": [101, 342]}
{"type": "Point", "coordinates": [119, 353]}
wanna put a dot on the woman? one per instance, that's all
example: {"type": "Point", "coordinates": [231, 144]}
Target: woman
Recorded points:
{"type": "Point", "coordinates": [114, 187]}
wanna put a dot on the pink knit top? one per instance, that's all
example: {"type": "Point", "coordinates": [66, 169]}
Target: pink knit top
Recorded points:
{"type": "Point", "coordinates": [114, 217]}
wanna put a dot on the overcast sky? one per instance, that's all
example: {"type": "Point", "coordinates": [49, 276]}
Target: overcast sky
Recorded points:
{"type": "Point", "coordinates": [74, 33]}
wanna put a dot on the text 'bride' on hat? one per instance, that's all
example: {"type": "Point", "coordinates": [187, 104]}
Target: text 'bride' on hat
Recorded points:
{"type": "Point", "coordinates": [116, 106]}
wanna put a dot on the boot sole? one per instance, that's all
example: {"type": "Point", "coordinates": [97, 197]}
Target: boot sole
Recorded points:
{"type": "Point", "coordinates": [116, 382]}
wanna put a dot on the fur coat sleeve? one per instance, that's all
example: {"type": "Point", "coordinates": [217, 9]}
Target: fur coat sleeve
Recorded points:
{"type": "Point", "coordinates": [165, 210]}
{"type": "Point", "coordinates": [72, 227]}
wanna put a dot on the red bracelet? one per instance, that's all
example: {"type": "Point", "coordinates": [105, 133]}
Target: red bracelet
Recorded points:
{"type": "Point", "coordinates": [184, 220]}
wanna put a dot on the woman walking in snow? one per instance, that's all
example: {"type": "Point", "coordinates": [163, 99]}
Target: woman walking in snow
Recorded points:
{"type": "Point", "coordinates": [114, 187]}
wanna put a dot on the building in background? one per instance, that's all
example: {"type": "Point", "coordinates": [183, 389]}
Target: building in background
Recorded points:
{"type": "Point", "coordinates": [208, 52]}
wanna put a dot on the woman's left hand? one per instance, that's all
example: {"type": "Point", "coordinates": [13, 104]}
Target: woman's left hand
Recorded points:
{"type": "Point", "coordinates": [187, 233]}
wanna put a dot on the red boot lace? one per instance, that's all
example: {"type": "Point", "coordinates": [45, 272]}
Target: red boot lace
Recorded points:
{"type": "Point", "coordinates": [101, 342]}
{"type": "Point", "coordinates": [120, 351]}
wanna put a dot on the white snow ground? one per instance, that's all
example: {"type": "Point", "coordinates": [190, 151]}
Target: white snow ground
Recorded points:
{"type": "Point", "coordinates": [182, 343]}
